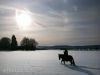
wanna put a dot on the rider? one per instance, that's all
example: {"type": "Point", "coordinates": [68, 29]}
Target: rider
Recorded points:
{"type": "Point", "coordinates": [66, 52]}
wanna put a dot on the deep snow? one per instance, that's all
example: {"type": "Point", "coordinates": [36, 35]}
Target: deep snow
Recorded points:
{"type": "Point", "coordinates": [46, 62]}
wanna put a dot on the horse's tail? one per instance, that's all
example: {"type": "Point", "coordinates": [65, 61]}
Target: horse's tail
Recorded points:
{"type": "Point", "coordinates": [59, 56]}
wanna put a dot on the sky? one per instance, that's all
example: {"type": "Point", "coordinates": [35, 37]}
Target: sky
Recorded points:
{"type": "Point", "coordinates": [54, 22]}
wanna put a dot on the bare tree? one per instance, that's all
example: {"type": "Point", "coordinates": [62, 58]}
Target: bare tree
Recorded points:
{"type": "Point", "coordinates": [28, 44]}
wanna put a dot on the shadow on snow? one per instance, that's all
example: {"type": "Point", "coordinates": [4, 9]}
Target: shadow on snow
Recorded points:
{"type": "Point", "coordinates": [82, 69]}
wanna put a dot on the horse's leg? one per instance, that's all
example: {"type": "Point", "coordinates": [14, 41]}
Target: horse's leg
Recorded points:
{"type": "Point", "coordinates": [61, 61]}
{"type": "Point", "coordinates": [73, 62]}
{"type": "Point", "coordinates": [64, 62]}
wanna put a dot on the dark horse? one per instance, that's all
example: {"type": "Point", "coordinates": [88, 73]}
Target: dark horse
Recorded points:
{"type": "Point", "coordinates": [68, 58]}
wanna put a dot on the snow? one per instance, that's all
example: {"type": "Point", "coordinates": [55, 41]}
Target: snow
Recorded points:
{"type": "Point", "coordinates": [46, 62]}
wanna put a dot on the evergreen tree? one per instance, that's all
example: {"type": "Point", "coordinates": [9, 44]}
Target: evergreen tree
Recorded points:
{"type": "Point", "coordinates": [14, 44]}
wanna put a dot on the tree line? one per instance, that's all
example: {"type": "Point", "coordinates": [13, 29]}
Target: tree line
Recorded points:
{"type": "Point", "coordinates": [12, 44]}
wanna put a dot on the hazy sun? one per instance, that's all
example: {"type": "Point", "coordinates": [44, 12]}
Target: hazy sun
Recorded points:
{"type": "Point", "coordinates": [23, 19]}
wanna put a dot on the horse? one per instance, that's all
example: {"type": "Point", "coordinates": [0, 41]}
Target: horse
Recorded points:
{"type": "Point", "coordinates": [68, 58]}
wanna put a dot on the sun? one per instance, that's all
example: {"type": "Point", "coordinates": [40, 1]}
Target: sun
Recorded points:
{"type": "Point", "coordinates": [23, 19]}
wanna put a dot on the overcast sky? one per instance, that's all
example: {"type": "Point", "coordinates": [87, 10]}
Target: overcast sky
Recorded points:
{"type": "Point", "coordinates": [55, 22]}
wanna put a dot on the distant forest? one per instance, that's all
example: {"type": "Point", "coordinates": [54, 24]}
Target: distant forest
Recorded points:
{"type": "Point", "coordinates": [12, 44]}
{"type": "Point", "coordinates": [68, 47]}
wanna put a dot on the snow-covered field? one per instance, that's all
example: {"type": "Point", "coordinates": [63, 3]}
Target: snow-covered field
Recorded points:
{"type": "Point", "coordinates": [46, 62]}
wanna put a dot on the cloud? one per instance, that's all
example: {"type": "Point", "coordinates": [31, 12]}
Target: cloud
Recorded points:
{"type": "Point", "coordinates": [55, 21]}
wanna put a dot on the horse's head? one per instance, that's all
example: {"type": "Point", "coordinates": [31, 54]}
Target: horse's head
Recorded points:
{"type": "Point", "coordinates": [59, 56]}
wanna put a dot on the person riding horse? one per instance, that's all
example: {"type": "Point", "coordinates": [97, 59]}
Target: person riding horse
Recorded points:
{"type": "Point", "coordinates": [65, 57]}
{"type": "Point", "coordinates": [66, 53]}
